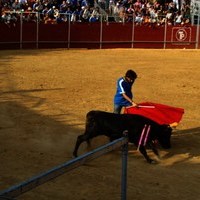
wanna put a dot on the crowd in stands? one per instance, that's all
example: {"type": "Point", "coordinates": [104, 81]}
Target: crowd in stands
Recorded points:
{"type": "Point", "coordinates": [57, 11]}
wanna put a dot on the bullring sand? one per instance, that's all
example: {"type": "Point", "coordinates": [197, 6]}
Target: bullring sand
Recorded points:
{"type": "Point", "coordinates": [45, 95]}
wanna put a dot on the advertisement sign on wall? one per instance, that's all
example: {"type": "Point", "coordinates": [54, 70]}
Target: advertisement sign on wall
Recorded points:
{"type": "Point", "coordinates": [181, 35]}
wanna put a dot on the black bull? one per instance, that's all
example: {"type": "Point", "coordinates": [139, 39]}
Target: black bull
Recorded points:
{"type": "Point", "coordinates": [113, 125]}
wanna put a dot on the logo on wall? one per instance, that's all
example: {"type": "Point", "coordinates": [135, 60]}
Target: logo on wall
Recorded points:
{"type": "Point", "coordinates": [181, 35]}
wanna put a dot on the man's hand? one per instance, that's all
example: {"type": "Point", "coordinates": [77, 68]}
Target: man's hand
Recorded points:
{"type": "Point", "coordinates": [134, 104]}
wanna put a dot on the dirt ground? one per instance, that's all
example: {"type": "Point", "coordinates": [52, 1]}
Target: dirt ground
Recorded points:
{"type": "Point", "coordinates": [45, 95]}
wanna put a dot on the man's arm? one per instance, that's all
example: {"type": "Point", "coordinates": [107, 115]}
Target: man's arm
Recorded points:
{"type": "Point", "coordinates": [128, 99]}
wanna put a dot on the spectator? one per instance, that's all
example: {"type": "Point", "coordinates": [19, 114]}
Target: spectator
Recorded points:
{"type": "Point", "coordinates": [24, 4]}
{"type": "Point", "coordinates": [49, 19]}
{"type": "Point", "coordinates": [130, 12]}
{"type": "Point", "coordinates": [44, 11]}
{"type": "Point", "coordinates": [102, 4]}
{"type": "Point", "coordinates": [84, 3]}
{"type": "Point", "coordinates": [95, 15]}
{"type": "Point", "coordinates": [116, 12]}
{"type": "Point", "coordinates": [137, 5]}
{"type": "Point", "coordinates": [75, 15]}
{"type": "Point", "coordinates": [178, 18]}
{"type": "Point", "coordinates": [9, 18]}
{"type": "Point", "coordinates": [139, 18]}
{"type": "Point", "coordinates": [16, 5]}
{"type": "Point", "coordinates": [38, 6]}
{"type": "Point", "coordinates": [111, 7]}
{"type": "Point", "coordinates": [85, 14]}
{"type": "Point", "coordinates": [51, 11]}
{"type": "Point", "coordinates": [145, 11]}
{"type": "Point", "coordinates": [29, 15]}
{"type": "Point", "coordinates": [169, 17]}
{"type": "Point", "coordinates": [69, 13]}
{"type": "Point", "coordinates": [63, 7]}
{"type": "Point", "coordinates": [153, 16]}
{"type": "Point", "coordinates": [59, 19]}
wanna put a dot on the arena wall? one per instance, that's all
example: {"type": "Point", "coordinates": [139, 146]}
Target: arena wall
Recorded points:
{"type": "Point", "coordinates": [97, 36]}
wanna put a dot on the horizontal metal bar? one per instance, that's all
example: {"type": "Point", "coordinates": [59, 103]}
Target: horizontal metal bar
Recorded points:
{"type": "Point", "coordinates": [35, 181]}
{"type": "Point", "coordinates": [97, 42]}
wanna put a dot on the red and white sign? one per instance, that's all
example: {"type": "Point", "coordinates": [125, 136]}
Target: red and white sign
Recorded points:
{"type": "Point", "coordinates": [181, 35]}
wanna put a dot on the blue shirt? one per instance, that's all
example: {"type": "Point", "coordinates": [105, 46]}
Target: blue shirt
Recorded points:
{"type": "Point", "coordinates": [123, 87]}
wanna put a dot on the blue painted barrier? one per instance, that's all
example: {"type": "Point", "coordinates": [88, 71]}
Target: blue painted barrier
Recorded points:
{"type": "Point", "coordinates": [40, 179]}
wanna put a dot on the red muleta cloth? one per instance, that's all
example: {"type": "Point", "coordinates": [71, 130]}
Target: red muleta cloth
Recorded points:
{"type": "Point", "coordinates": [160, 113]}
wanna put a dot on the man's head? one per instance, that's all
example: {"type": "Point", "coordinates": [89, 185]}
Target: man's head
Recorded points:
{"type": "Point", "coordinates": [131, 75]}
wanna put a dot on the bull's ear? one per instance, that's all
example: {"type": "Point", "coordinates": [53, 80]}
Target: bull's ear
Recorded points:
{"type": "Point", "coordinates": [173, 125]}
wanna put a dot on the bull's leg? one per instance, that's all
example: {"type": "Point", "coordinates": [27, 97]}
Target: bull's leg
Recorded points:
{"type": "Point", "coordinates": [111, 139]}
{"type": "Point", "coordinates": [144, 153]}
{"type": "Point", "coordinates": [80, 139]}
{"type": "Point", "coordinates": [114, 137]}
{"type": "Point", "coordinates": [154, 149]}
{"type": "Point", "coordinates": [88, 142]}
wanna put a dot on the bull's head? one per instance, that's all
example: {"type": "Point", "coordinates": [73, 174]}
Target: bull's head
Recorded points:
{"type": "Point", "coordinates": [164, 137]}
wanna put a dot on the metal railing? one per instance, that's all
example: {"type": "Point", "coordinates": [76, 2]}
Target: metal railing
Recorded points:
{"type": "Point", "coordinates": [42, 178]}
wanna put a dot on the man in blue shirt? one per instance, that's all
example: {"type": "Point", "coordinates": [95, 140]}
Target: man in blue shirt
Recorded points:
{"type": "Point", "coordinates": [124, 95]}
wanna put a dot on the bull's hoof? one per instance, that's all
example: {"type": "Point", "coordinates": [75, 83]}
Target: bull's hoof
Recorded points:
{"type": "Point", "coordinates": [154, 162]}
{"type": "Point", "coordinates": [151, 161]}
{"type": "Point", "coordinates": [75, 155]}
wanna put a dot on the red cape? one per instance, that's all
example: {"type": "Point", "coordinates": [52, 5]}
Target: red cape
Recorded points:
{"type": "Point", "coordinates": [162, 114]}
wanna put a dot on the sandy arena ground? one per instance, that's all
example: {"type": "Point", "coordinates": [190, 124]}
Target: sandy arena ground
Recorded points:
{"type": "Point", "coordinates": [45, 95]}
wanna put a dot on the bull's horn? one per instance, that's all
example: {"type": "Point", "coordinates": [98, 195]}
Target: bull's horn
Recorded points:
{"type": "Point", "coordinates": [173, 125]}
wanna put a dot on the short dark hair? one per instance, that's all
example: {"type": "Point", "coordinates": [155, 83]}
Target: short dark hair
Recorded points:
{"type": "Point", "coordinates": [131, 74]}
